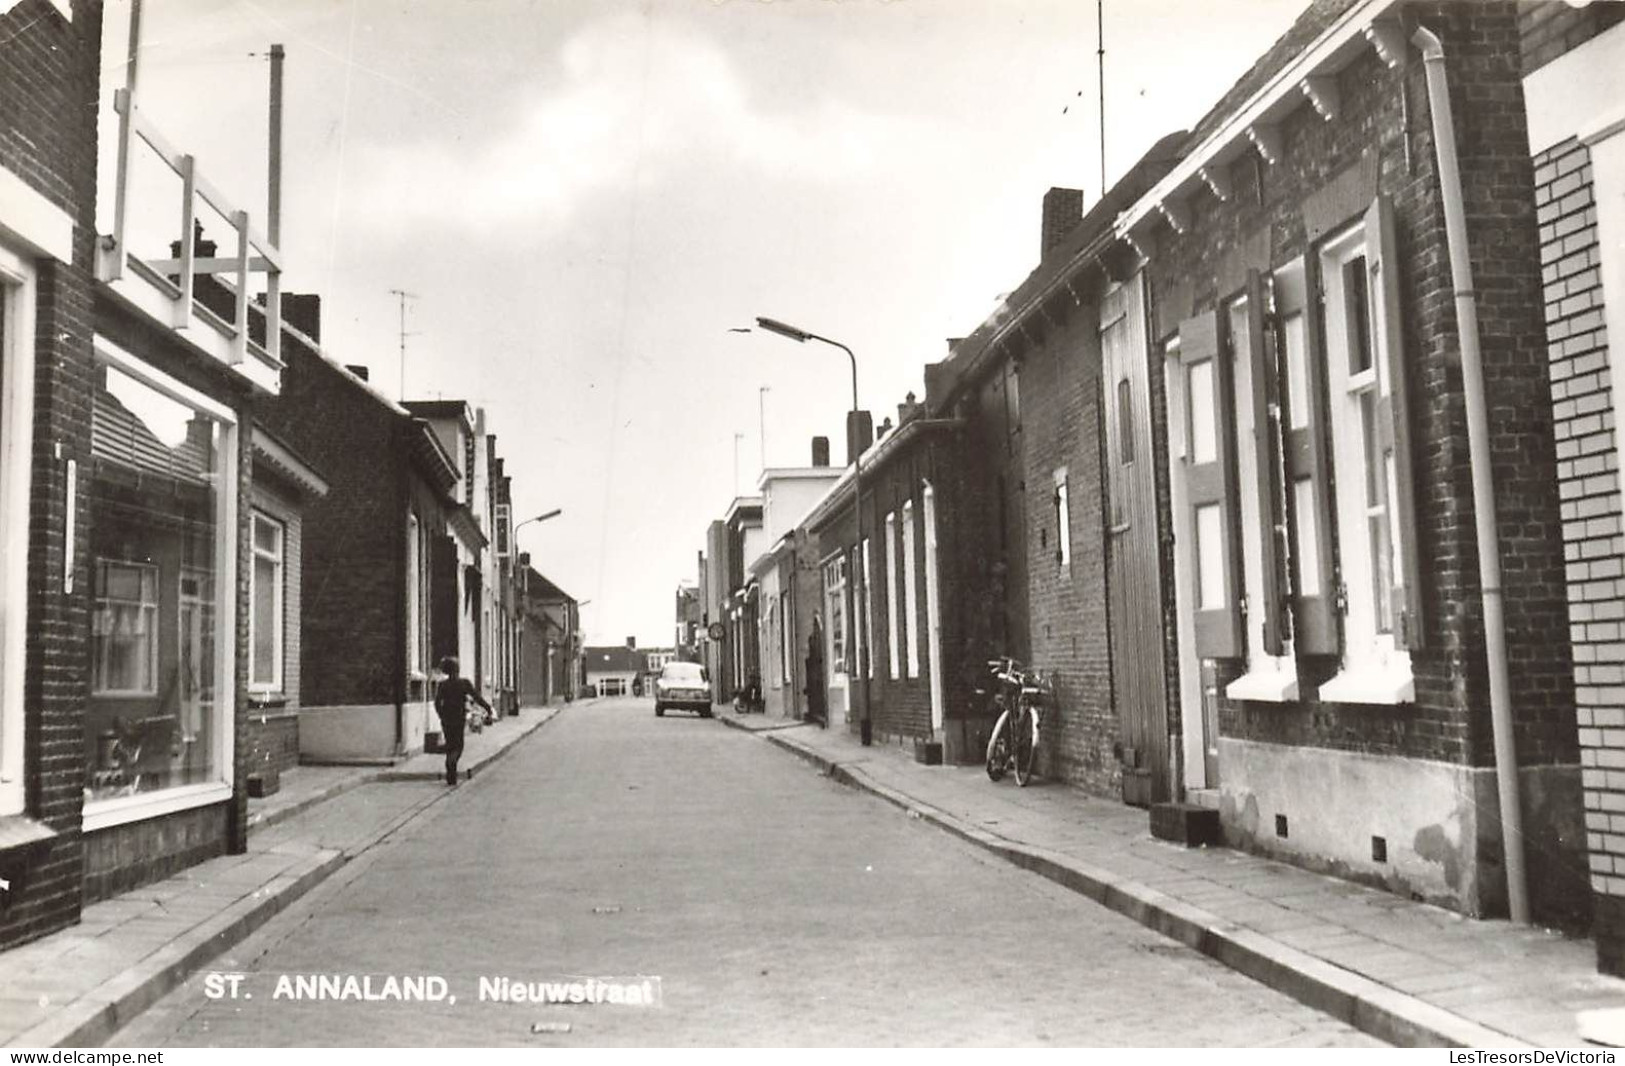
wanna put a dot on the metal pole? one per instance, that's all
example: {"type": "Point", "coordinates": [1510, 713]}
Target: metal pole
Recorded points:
{"type": "Point", "coordinates": [761, 421]}
{"type": "Point", "coordinates": [859, 675]}
{"type": "Point", "coordinates": [1100, 63]}
{"type": "Point", "coordinates": [273, 209]}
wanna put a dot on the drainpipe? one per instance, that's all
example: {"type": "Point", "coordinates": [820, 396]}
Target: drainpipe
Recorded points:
{"type": "Point", "coordinates": [1489, 549]}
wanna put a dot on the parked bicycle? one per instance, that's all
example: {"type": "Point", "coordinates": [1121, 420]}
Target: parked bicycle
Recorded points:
{"type": "Point", "coordinates": [1019, 695]}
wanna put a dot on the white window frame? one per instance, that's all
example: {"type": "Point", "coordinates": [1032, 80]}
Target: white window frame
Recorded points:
{"type": "Point", "coordinates": [414, 598]}
{"type": "Point", "coordinates": [1269, 678]}
{"type": "Point", "coordinates": [1374, 670]}
{"type": "Point", "coordinates": [867, 563]}
{"type": "Point", "coordinates": [279, 599]}
{"type": "Point", "coordinates": [1063, 519]}
{"type": "Point", "coordinates": [18, 294]}
{"type": "Point", "coordinates": [834, 581]}
{"type": "Point", "coordinates": [892, 659]}
{"type": "Point", "coordinates": [103, 814]}
{"type": "Point", "coordinates": [911, 593]}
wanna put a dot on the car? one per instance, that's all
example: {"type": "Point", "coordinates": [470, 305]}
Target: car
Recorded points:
{"type": "Point", "coordinates": [683, 686]}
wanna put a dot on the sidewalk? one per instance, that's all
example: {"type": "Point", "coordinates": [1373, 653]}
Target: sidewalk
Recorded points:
{"type": "Point", "coordinates": [1408, 973]}
{"type": "Point", "coordinates": [76, 987]}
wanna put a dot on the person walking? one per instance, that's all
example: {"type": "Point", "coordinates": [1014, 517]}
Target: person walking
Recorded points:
{"type": "Point", "coordinates": [451, 704]}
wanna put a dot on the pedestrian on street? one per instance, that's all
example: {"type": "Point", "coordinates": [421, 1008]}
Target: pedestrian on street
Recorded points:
{"type": "Point", "coordinates": [451, 704]}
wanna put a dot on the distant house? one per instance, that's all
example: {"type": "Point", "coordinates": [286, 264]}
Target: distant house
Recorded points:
{"type": "Point", "coordinates": [614, 670]}
{"type": "Point", "coordinates": [283, 485]}
{"type": "Point", "coordinates": [549, 641]}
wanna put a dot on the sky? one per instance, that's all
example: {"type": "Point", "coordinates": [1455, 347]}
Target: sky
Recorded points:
{"type": "Point", "coordinates": [584, 198]}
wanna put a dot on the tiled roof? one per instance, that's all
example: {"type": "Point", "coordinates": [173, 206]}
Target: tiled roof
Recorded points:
{"type": "Point", "coordinates": [615, 659]}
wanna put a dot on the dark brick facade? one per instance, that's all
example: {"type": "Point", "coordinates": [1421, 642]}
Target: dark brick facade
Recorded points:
{"type": "Point", "coordinates": [49, 81]}
{"type": "Point", "coordinates": [354, 557]}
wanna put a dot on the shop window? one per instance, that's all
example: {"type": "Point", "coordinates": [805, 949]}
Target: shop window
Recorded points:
{"type": "Point", "coordinates": [16, 453]}
{"type": "Point", "coordinates": [266, 597]}
{"type": "Point", "coordinates": [162, 491]}
{"type": "Point", "coordinates": [414, 599]}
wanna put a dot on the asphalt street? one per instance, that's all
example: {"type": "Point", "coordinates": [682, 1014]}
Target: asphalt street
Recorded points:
{"type": "Point", "coordinates": [773, 905]}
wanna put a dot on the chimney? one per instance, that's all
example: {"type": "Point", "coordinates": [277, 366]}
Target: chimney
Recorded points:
{"type": "Point", "coordinates": [357, 369]}
{"type": "Point", "coordinates": [907, 409]}
{"type": "Point", "coordinates": [1063, 210]}
{"type": "Point", "coordinates": [860, 433]}
{"type": "Point", "coordinates": [820, 451]}
{"type": "Point", "coordinates": [631, 643]}
{"type": "Point", "coordinates": [303, 311]}
{"type": "Point", "coordinates": [885, 428]}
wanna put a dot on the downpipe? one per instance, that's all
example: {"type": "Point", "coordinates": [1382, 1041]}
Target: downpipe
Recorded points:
{"type": "Point", "coordinates": [1489, 548]}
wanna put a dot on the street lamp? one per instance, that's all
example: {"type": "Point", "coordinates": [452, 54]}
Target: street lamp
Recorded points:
{"type": "Point", "coordinates": [801, 336]}
{"type": "Point", "coordinates": [554, 513]}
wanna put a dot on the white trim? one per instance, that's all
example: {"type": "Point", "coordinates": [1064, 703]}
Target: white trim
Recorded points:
{"type": "Point", "coordinates": [18, 294]}
{"type": "Point", "coordinates": [911, 593]}
{"type": "Point", "coordinates": [1271, 102]}
{"type": "Point", "coordinates": [1270, 681]}
{"type": "Point", "coordinates": [104, 814]}
{"type": "Point", "coordinates": [115, 356]}
{"type": "Point", "coordinates": [31, 219]}
{"type": "Point", "coordinates": [892, 659]}
{"type": "Point", "coordinates": [279, 610]}
{"type": "Point", "coordinates": [1388, 686]}
{"type": "Point", "coordinates": [933, 609]}
{"type": "Point", "coordinates": [1578, 93]}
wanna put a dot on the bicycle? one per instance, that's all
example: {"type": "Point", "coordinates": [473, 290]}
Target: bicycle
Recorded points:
{"type": "Point", "coordinates": [1014, 743]}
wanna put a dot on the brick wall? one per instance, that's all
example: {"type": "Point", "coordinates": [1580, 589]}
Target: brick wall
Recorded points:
{"type": "Point", "coordinates": [49, 81]}
{"type": "Point", "coordinates": [351, 559]}
{"type": "Point", "coordinates": [1062, 424]}
{"type": "Point", "coordinates": [140, 853]}
{"type": "Point", "coordinates": [1549, 28]}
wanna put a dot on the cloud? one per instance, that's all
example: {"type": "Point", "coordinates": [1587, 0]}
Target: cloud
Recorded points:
{"type": "Point", "coordinates": [637, 101]}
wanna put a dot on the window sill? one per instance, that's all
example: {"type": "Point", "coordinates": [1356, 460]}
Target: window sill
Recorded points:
{"type": "Point", "coordinates": [1264, 685]}
{"type": "Point", "coordinates": [18, 831]}
{"type": "Point", "coordinates": [109, 813]}
{"type": "Point", "coordinates": [1387, 686]}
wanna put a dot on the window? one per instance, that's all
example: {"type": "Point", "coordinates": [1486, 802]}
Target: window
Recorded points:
{"type": "Point", "coordinates": [1374, 501]}
{"type": "Point", "coordinates": [1012, 405]}
{"type": "Point", "coordinates": [16, 457]}
{"type": "Point", "coordinates": [1125, 420]}
{"type": "Point", "coordinates": [266, 592]}
{"type": "Point", "coordinates": [414, 599]}
{"type": "Point", "coordinates": [1063, 520]}
{"type": "Point", "coordinates": [868, 578]}
{"type": "Point", "coordinates": [835, 612]}
{"type": "Point", "coordinates": [1271, 670]}
{"type": "Point", "coordinates": [124, 633]}
{"type": "Point", "coordinates": [891, 594]}
{"type": "Point", "coordinates": [163, 625]}
{"type": "Point", "coordinates": [502, 531]}
{"type": "Point", "coordinates": [911, 592]}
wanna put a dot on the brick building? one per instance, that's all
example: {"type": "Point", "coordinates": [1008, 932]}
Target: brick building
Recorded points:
{"type": "Point", "coordinates": [49, 84]}
{"type": "Point", "coordinates": [549, 639]}
{"type": "Point", "coordinates": [372, 592]}
{"type": "Point", "coordinates": [1572, 88]}
{"type": "Point", "coordinates": [127, 393]}
{"type": "Point", "coordinates": [787, 580]}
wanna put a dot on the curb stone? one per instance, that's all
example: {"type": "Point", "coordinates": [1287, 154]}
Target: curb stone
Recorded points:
{"type": "Point", "coordinates": [1367, 1005]}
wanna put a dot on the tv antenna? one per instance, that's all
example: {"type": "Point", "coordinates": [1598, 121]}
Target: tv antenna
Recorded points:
{"type": "Point", "coordinates": [402, 296]}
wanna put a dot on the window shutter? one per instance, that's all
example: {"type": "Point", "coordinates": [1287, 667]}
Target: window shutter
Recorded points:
{"type": "Point", "coordinates": [1260, 357]}
{"type": "Point", "coordinates": [1394, 422]}
{"type": "Point", "coordinates": [1210, 490]}
{"type": "Point", "coordinates": [1308, 458]}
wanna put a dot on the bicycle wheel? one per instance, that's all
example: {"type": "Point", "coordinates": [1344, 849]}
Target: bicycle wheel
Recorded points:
{"type": "Point", "coordinates": [998, 748]}
{"type": "Point", "coordinates": [1026, 745]}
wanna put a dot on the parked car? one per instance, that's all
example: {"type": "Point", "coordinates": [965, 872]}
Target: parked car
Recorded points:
{"type": "Point", "coordinates": [683, 686]}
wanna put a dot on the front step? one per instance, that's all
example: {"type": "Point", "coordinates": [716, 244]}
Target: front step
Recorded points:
{"type": "Point", "coordinates": [1186, 824]}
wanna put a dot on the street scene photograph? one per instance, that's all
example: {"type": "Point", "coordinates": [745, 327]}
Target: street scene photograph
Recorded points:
{"type": "Point", "coordinates": [583, 524]}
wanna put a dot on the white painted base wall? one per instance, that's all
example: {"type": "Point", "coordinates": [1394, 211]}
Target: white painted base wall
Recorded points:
{"type": "Point", "coordinates": [350, 734]}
